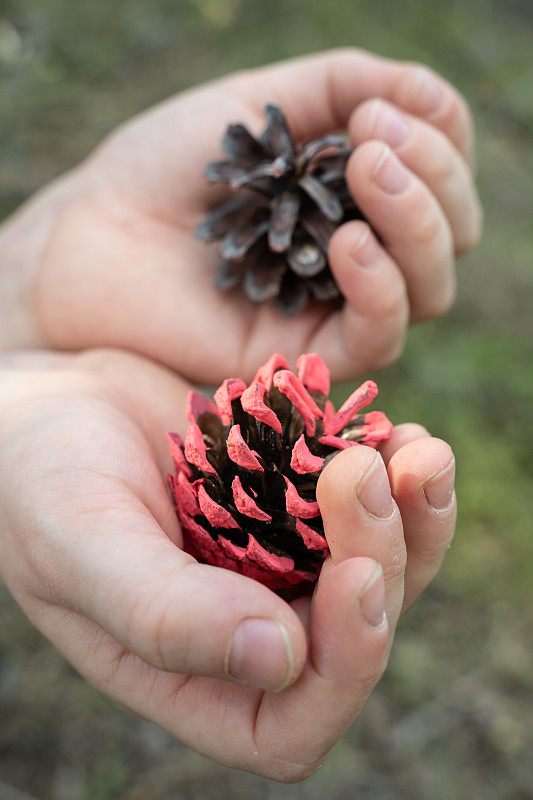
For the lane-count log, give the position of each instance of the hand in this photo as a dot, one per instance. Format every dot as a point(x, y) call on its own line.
point(106, 257)
point(91, 550)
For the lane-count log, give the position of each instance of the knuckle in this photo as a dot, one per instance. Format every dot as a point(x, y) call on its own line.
point(394, 569)
point(428, 230)
point(153, 635)
point(393, 309)
point(442, 170)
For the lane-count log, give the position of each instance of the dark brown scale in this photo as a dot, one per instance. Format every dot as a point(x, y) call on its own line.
point(288, 201)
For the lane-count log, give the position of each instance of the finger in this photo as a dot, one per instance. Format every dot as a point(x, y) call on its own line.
point(430, 155)
point(348, 648)
point(422, 479)
point(319, 92)
point(411, 224)
point(362, 519)
point(175, 614)
point(400, 436)
point(369, 330)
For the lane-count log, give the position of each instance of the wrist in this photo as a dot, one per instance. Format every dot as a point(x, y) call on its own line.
point(24, 239)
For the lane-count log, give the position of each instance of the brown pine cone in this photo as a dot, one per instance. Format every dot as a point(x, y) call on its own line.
point(288, 201)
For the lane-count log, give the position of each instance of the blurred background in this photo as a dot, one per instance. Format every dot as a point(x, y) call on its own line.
point(452, 718)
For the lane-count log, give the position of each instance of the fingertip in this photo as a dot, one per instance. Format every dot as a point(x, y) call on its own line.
point(375, 164)
point(377, 119)
point(439, 489)
point(422, 472)
point(260, 654)
point(401, 435)
point(266, 644)
point(353, 244)
point(425, 454)
point(422, 479)
point(342, 475)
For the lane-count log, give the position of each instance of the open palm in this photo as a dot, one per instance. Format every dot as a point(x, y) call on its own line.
point(91, 550)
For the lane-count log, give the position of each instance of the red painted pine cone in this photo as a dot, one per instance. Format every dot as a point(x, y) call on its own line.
point(246, 473)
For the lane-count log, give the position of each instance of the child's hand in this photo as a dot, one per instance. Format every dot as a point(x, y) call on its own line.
point(106, 257)
point(90, 549)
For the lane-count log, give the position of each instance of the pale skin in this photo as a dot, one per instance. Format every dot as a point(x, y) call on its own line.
point(105, 255)
point(91, 550)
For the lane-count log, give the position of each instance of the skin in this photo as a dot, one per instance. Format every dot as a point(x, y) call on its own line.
point(91, 549)
point(105, 255)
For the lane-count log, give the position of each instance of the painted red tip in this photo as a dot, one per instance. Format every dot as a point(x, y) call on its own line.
point(302, 459)
point(246, 504)
point(336, 441)
point(376, 428)
point(213, 512)
point(296, 505)
point(195, 449)
point(198, 404)
point(230, 390)
point(313, 373)
point(175, 443)
point(265, 373)
point(239, 452)
point(292, 387)
point(185, 496)
point(270, 561)
point(362, 397)
point(311, 539)
point(252, 403)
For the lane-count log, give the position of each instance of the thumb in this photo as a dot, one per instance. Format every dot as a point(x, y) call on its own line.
point(175, 614)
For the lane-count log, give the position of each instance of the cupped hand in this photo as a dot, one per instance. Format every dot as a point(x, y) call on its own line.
point(114, 261)
point(91, 550)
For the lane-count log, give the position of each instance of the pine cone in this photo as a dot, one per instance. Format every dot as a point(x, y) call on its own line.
point(246, 473)
point(276, 228)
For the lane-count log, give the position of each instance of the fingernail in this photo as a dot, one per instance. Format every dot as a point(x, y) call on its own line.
point(374, 490)
point(260, 654)
point(427, 92)
point(388, 124)
point(389, 172)
point(372, 599)
point(439, 489)
point(366, 250)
